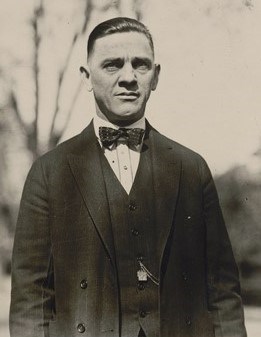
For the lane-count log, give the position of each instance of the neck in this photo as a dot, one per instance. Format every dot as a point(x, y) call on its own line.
point(120, 123)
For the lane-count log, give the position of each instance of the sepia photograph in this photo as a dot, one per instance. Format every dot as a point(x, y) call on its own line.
point(130, 168)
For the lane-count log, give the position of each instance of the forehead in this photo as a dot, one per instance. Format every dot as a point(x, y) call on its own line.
point(120, 45)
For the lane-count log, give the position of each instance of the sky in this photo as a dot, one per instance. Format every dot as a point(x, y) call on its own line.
point(208, 97)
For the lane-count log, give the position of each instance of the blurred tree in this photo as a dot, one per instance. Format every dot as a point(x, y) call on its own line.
point(46, 19)
point(240, 196)
point(39, 86)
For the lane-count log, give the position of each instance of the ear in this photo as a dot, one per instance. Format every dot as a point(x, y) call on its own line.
point(155, 77)
point(86, 77)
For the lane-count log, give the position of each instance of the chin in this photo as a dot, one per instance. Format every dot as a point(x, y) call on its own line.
point(127, 118)
point(131, 115)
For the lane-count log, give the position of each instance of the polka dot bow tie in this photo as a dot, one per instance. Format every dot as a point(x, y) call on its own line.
point(109, 136)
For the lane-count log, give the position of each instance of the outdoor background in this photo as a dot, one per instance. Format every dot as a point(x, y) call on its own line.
point(208, 99)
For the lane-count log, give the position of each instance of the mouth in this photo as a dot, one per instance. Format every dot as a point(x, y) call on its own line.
point(130, 95)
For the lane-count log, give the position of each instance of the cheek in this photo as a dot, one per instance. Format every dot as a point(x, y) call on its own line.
point(103, 87)
point(146, 84)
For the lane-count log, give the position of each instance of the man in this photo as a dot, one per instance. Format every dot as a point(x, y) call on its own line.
point(120, 232)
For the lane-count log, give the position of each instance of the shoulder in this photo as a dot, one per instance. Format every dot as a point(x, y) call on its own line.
point(193, 166)
point(56, 160)
point(185, 154)
point(62, 149)
point(74, 145)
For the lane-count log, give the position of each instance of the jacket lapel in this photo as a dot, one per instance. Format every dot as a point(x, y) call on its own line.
point(166, 172)
point(87, 171)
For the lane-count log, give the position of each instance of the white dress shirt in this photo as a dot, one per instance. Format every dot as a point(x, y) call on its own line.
point(123, 160)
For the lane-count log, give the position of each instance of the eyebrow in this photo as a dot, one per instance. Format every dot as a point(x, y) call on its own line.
point(112, 59)
point(147, 60)
point(135, 59)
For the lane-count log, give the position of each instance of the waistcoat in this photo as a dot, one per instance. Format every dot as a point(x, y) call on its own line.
point(135, 239)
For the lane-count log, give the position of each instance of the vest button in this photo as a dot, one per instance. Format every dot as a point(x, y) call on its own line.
point(135, 232)
point(185, 276)
point(132, 207)
point(188, 321)
point(81, 328)
point(83, 284)
point(143, 314)
point(141, 286)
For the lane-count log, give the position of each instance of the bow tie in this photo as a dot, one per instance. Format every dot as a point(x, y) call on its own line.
point(109, 136)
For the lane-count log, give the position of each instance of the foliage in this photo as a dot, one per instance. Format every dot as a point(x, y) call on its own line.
point(240, 196)
point(39, 87)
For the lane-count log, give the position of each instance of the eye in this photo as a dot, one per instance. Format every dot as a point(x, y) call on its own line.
point(141, 65)
point(112, 66)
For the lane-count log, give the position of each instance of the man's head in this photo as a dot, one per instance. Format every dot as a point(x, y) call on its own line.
point(121, 69)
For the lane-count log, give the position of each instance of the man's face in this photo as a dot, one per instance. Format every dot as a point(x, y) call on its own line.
point(122, 75)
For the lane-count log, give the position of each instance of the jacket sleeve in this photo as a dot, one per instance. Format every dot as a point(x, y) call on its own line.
point(223, 284)
point(32, 294)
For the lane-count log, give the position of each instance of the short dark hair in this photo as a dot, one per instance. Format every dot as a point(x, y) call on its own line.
point(117, 25)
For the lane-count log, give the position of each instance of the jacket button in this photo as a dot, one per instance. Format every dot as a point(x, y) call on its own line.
point(143, 314)
point(185, 276)
point(139, 258)
point(141, 286)
point(81, 328)
point(83, 284)
point(188, 321)
point(134, 232)
point(132, 207)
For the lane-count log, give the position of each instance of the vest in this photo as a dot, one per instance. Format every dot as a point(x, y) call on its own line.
point(133, 222)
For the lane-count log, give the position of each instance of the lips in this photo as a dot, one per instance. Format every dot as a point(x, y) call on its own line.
point(128, 95)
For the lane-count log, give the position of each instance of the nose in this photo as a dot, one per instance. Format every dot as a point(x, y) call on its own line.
point(127, 75)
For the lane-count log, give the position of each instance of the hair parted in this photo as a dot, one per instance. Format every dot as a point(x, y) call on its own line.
point(117, 25)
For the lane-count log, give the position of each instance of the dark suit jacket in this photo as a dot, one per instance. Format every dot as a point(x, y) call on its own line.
point(63, 240)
